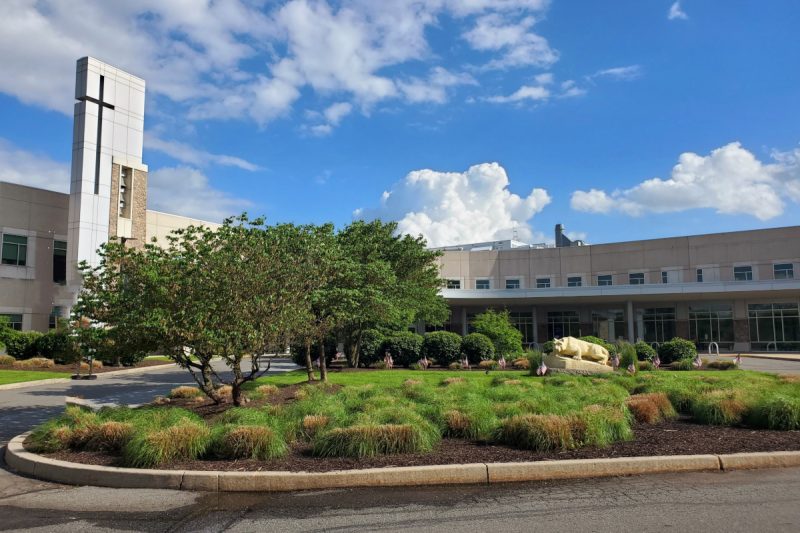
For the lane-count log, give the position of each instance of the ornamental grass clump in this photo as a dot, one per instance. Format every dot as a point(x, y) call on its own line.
point(34, 362)
point(599, 426)
point(651, 408)
point(187, 440)
point(7, 360)
point(313, 424)
point(719, 408)
point(184, 392)
point(475, 421)
point(452, 381)
point(53, 436)
point(247, 442)
point(779, 411)
point(537, 432)
point(108, 436)
point(266, 390)
point(370, 440)
point(721, 365)
point(521, 364)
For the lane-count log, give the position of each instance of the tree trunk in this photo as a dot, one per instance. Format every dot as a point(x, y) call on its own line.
point(236, 393)
point(354, 360)
point(323, 369)
point(309, 364)
point(208, 384)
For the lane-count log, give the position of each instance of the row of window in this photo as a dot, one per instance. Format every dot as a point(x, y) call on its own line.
point(740, 273)
point(15, 253)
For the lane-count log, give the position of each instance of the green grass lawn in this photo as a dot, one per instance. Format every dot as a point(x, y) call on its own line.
point(368, 413)
point(18, 376)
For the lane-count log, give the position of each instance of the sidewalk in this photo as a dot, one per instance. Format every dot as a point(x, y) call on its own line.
point(765, 355)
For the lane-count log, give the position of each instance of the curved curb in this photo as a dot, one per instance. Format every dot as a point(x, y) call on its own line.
point(477, 473)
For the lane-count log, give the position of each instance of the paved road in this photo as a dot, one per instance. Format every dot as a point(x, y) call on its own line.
point(764, 500)
point(778, 366)
point(22, 409)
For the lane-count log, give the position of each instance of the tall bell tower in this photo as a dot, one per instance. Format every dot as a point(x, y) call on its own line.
point(108, 188)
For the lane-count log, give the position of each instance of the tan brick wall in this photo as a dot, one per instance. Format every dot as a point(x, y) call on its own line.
point(139, 208)
point(113, 208)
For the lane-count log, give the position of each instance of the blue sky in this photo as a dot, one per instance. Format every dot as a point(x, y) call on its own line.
point(622, 120)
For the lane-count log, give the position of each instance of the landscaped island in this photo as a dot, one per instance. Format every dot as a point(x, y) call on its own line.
point(367, 418)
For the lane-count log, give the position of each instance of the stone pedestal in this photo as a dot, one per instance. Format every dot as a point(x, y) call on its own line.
point(577, 365)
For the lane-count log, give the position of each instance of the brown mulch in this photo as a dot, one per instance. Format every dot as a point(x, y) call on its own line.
point(106, 368)
point(667, 438)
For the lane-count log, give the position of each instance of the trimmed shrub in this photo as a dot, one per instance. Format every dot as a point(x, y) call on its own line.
point(35, 362)
point(537, 432)
point(22, 344)
point(370, 347)
point(405, 347)
point(651, 408)
point(719, 408)
point(58, 345)
point(721, 365)
point(676, 349)
point(644, 352)
point(187, 440)
point(477, 347)
point(548, 347)
point(775, 412)
point(6, 360)
point(185, 391)
point(247, 442)
point(369, 440)
point(444, 347)
point(506, 338)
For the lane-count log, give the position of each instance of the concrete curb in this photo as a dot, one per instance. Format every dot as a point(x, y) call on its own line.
point(479, 473)
point(36, 383)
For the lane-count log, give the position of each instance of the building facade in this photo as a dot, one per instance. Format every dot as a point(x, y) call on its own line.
point(44, 235)
point(736, 289)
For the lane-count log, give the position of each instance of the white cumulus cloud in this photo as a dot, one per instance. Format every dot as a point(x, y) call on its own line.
point(676, 12)
point(450, 208)
point(187, 191)
point(729, 180)
point(185, 153)
point(518, 45)
point(31, 169)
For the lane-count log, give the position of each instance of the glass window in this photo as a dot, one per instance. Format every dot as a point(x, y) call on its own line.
point(743, 273)
point(664, 277)
point(55, 314)
point(783, 271)
point(512, 284)
point(609, 324)
point(59, 262)
point(774, 326)
point(636, 279)
point(563, 324)
point(604, 280)
point(13, 321)
point(574, 281)
point(542, 283)
point(659, 324)
point(524, 323)
point(15, 250)
point(699, 275)
point(481, 283)
point(453, 284)
point(711, 323)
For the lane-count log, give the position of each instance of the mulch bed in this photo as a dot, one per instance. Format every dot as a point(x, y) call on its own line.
point(71, 368)
point(680, 437)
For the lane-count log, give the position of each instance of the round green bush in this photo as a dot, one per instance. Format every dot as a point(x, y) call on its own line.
point(644, 352)
point(548, 347)
point(676, 350)
point(370, 347)
point(444, 347)
point(22, 344)
point(405, 348)
point(477, 346)
point(57, 345)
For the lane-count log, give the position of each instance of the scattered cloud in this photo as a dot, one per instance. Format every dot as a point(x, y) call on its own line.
point(434, 88)
point(676, 12)
point(332, 116)
point(198, 198)
point(449, 208)
point(627, 73)
point(186, 153)
point(31, 169)
point(541, 91)
point(515, 41)
point(730, 180)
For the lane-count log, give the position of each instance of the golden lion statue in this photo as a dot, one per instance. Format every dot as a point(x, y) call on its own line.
point(581, 350)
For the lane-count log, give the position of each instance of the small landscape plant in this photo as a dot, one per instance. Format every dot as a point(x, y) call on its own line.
point(477, 347)
point(7, 360)
point(35, 362)
point(184, 392)
point(676, 349)
point(443, 347)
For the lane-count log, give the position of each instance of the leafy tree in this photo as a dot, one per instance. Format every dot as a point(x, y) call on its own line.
point(477, 346)
point(394, 282)
point(498, 327)
point(444, 347)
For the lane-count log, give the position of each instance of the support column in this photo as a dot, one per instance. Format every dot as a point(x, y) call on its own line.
point(464, 329)
point(629, 315)
point(535, 325)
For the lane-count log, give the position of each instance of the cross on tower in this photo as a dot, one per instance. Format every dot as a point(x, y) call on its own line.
point(100, 105)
